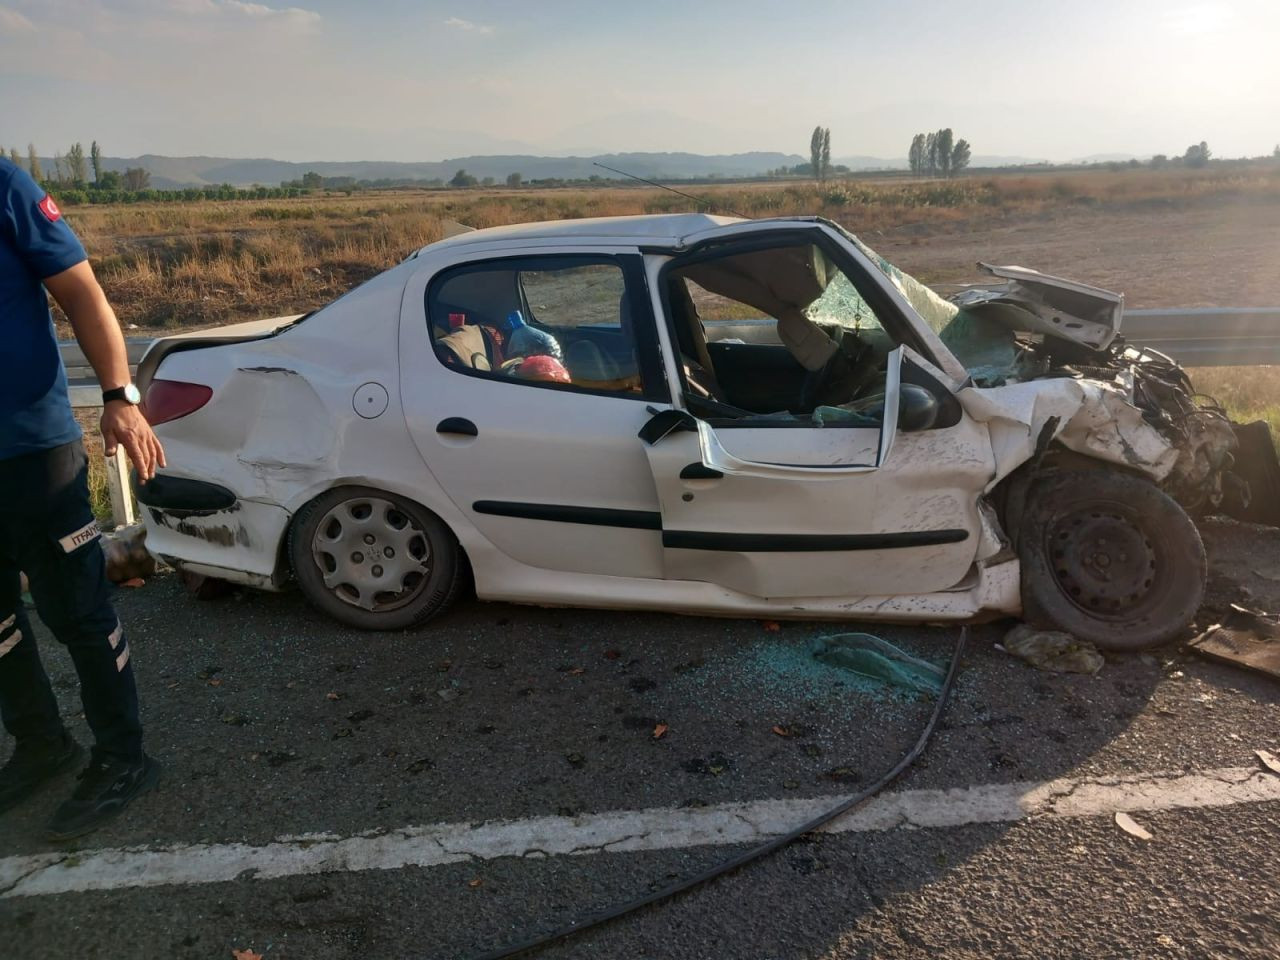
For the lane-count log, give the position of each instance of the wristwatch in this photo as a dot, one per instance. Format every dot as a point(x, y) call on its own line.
point(128, 393)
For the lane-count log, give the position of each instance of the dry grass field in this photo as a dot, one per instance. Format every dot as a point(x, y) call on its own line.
point(1165, 238)
point(1176, 236)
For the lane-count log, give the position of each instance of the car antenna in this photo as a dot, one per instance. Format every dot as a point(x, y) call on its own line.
point(653, 183)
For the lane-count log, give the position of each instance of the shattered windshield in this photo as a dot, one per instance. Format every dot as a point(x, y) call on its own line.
point(985, 348)
point(842, 305)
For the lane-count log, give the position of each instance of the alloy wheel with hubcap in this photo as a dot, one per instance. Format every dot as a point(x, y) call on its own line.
point(371, 553)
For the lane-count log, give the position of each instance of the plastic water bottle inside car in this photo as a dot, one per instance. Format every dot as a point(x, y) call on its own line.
point(526, 341)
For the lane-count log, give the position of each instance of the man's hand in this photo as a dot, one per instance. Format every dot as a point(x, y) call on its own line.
point(78, 293)
point(123, 425)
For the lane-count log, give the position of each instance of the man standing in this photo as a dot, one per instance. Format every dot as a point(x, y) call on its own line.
point(47, 529)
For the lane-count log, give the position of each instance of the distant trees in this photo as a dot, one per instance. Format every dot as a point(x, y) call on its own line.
point(945, 142)
point(1275, 154)
point(77, 169)
point(137, 178)
point(312, 180)
point(514, 179)
point(95, 158)
point(33, 163)
point(15, 156)
point(820, 153)
point(917, 156)
point(938, 154)
point(463, 179)
point(1197, 155)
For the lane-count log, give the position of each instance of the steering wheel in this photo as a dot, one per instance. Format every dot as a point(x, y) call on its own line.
point(845, 374)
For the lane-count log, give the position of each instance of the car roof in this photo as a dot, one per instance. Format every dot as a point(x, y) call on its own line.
point(656, 229)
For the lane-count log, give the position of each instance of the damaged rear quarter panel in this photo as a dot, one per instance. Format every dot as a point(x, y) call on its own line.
point(281, 428)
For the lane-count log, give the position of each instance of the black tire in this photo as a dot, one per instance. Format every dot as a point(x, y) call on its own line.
point(407, 573)
point(1109, 558)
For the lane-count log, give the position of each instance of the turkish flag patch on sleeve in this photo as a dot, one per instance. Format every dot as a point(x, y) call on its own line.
point(49, 209)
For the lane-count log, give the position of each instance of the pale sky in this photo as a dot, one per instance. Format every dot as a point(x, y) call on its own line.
point(428, 80)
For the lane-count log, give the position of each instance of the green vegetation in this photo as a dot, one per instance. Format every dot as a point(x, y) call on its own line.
point(71, 184)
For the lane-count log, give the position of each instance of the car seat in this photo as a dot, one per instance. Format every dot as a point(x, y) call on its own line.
point(692, 339)
point(593, 368)
point(469, 347)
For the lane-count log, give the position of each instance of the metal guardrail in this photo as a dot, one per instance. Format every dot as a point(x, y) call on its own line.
point(1208, 336)
point(1194, 336)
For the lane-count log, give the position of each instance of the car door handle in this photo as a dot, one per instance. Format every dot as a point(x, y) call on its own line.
point(458, 426)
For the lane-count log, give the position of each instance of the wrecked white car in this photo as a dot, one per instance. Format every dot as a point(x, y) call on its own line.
point(694, 414)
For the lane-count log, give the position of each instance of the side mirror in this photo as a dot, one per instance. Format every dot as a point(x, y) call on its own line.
point(917, 407)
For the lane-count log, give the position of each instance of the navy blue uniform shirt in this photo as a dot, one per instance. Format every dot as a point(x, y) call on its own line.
point(35, 242)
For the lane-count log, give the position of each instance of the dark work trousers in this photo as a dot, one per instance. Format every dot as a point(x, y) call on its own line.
point(47, 530)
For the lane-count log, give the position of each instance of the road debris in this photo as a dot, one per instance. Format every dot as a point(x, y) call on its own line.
point(127, 555)
point(1244, 638)
point(1268, 760)
point(869, 656)
point(245, 955)
point(1052, 650)
point(1132, 827)
point(660, 731)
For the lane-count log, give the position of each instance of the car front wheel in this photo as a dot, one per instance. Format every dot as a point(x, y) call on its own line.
point(374, 560)
point(1109, 558)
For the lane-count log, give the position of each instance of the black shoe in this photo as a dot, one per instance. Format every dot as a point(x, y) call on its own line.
point(35, 761)
point(106, 787)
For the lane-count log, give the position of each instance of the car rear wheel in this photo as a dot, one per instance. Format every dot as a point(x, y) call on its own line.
point(374, 560)
point(1110, 558)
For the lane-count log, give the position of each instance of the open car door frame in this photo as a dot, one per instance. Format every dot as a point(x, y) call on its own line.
point(804, 511)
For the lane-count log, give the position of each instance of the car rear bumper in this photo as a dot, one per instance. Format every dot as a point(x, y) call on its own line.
point(203, 527)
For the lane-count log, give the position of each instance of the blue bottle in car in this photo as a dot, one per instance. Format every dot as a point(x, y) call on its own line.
point(526, 341)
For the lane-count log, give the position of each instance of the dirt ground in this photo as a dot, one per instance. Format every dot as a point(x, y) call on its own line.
point(1205, 256)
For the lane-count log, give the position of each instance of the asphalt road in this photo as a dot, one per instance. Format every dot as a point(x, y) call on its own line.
point(275, 723)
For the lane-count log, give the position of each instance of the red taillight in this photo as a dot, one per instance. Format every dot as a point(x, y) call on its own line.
point(170, 399)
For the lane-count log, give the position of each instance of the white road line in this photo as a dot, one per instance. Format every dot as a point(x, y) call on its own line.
point(622, 831)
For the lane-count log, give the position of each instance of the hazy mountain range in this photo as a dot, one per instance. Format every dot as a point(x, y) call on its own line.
point(172, 172)
point(175, 172)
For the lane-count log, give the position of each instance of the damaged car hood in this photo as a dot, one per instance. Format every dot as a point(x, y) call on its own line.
point(1029, 301)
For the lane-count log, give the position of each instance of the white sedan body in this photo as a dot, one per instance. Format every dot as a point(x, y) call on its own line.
point(550, 489)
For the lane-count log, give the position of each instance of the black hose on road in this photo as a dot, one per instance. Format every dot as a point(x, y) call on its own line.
point(764, 849)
